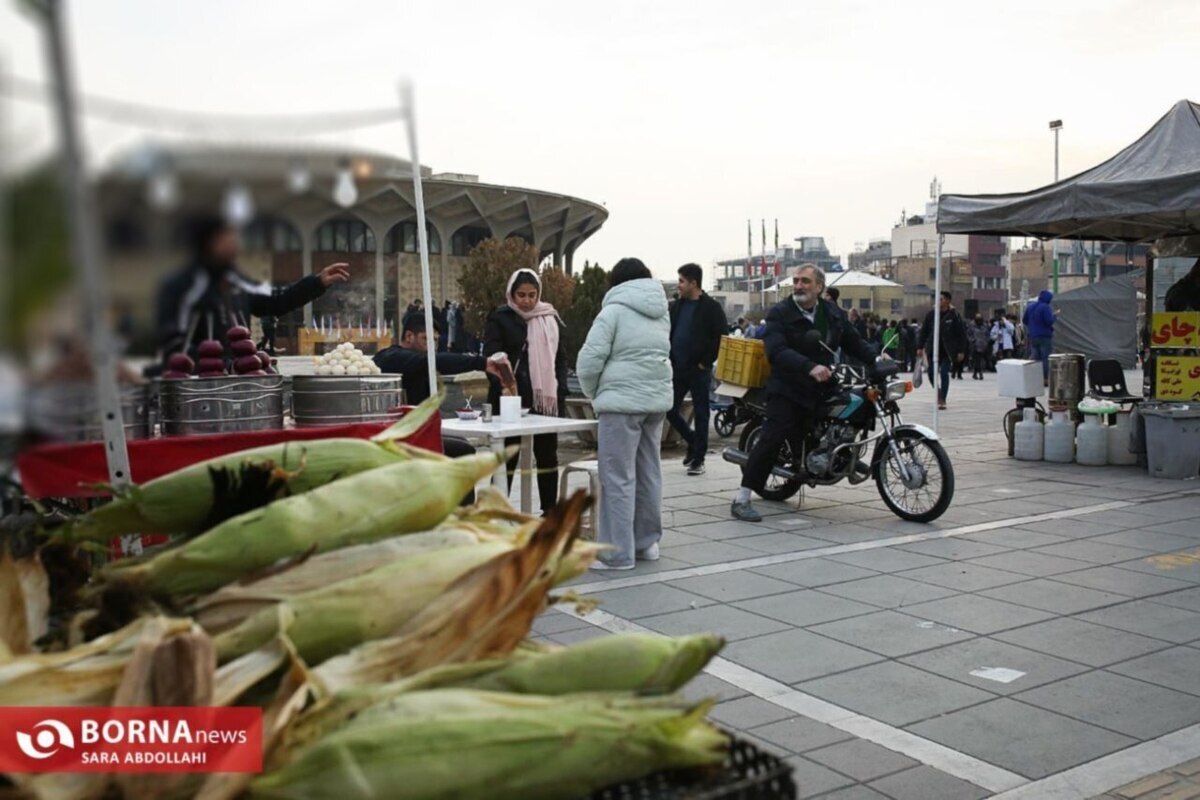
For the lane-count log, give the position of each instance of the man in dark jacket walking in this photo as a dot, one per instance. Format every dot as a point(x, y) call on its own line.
point(799, 375)
point(952, 344)
point(697, 325)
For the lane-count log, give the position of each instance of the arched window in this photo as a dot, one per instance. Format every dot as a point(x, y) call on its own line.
point(272, 235)
point(344, 235)
point(466, 238)
point(402, 238)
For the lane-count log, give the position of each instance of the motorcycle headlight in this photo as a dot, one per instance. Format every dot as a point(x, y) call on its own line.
point(896, 390)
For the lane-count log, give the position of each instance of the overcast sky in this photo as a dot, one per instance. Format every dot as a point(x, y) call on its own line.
point(684, 118)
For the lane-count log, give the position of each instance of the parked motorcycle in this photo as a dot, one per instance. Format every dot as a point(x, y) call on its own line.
point(911, 468)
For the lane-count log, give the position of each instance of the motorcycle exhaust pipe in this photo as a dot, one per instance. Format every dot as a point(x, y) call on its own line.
point(735, 456)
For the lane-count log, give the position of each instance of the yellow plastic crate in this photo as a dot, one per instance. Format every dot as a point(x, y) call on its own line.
point(743, 362)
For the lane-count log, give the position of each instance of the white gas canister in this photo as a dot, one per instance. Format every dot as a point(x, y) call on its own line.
point(1060, 438)
point(1120, 440)
point(1091, 442)
point(1029, 437)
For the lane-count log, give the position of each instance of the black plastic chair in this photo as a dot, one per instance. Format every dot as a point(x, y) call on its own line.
point(1107, 381)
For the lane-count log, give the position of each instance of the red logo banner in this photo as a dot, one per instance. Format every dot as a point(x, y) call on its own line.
point(102, 739)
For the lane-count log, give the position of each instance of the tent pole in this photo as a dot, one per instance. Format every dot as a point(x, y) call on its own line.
point(937, 327)
point(1149, 368)
point(85, 240)
point(410, 118)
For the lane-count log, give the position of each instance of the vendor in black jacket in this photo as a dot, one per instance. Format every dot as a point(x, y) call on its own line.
point(697, 325)
point(211, 291)
point(410, 360)
point(799, 375)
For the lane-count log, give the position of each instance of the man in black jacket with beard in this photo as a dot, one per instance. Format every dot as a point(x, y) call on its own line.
point(799, 375)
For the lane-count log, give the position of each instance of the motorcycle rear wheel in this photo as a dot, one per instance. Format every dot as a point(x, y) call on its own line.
point(775, 488)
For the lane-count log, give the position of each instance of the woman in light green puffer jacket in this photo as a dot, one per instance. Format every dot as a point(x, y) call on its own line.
point(624, 366)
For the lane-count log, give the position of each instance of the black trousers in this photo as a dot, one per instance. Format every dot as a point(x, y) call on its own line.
point(545, 460)
point(785, 421)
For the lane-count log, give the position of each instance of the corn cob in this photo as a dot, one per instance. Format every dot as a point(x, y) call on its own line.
point(400, 498)
point(336, 618)
point(474, 744)
point(183, 501)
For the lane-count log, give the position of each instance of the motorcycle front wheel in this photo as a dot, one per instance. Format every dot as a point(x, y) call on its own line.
point(923, 489)
point(775, 488)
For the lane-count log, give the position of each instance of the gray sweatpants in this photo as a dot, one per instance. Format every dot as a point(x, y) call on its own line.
point(630, 484)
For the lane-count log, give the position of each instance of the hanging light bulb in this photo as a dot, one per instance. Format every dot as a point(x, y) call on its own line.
point(238, 205)
point(299, 179)
point(162, 191)
point(345, 193)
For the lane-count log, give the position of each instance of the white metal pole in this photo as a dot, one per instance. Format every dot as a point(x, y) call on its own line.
point(85, 240)
point(937, 326)
point(410, 116)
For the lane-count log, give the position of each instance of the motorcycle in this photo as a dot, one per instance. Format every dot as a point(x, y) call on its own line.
point(912, 470)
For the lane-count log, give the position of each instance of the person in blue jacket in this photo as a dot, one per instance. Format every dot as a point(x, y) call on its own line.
point(1039, 322)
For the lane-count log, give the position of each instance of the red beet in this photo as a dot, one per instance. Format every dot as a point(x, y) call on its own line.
point(264, 358)
point(247, 364)
point(180, 363)
point(210, 348)
point(175, 375)
point(211, 365)
point(243, 347)
point(237, 333)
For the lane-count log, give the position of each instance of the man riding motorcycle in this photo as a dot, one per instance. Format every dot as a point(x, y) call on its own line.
point(799, 376)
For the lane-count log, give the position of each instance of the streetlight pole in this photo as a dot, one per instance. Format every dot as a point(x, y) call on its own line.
point(1056, 126)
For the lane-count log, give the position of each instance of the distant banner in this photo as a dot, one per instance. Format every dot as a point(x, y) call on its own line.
point(1175, 329)
point(1178, 377)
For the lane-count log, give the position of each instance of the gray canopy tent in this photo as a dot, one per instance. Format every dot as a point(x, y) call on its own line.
point(1100, 320)
point(1148, 192)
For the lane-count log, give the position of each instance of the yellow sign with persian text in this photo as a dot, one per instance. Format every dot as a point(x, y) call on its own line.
point(1175, 329)
point(1178, 378)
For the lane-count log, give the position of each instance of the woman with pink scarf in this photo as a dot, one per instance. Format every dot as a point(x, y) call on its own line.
point(529, 331)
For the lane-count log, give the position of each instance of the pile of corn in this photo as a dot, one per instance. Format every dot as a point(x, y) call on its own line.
point(383, 628)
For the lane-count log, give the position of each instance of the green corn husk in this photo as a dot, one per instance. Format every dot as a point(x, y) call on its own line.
point(401, 498)
point(370, 606)
point(183, 501)
point(459, 743)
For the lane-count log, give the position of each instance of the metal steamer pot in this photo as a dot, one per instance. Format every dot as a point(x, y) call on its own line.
point(231, 404)
point(343, 400)
point(69, 412)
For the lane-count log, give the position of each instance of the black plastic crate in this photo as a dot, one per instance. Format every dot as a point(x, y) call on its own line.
point(747, 774)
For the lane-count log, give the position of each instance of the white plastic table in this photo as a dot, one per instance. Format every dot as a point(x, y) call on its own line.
point(495, 432)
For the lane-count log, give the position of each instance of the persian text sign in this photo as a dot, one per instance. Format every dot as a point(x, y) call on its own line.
point(1175, 329)
point(1178, 378)
point(158, 739)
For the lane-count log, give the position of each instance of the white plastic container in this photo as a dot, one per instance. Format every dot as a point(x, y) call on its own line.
point(510, 409)
point(1120, 440)
point(1091, 446)
point(1060, 438)
point(1029, 438)
point(1019, 378)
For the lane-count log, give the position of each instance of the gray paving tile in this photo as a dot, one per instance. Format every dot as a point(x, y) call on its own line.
point(1091, 550)
point(725, 529)
point(1149, 619)
point(780, 542)
point(678, 518)
point(1018, 737)
point(1181, 508)
point(888, 591)
point(800, 734)
point(664, 564)
point(704, 686)
point(1147, 540)
point(748, 712)
point(788, 523)
point(959, 661)
point(1128, 582)
point(634, 602)
point(712, 553)
point(1188, 598)
point(552, 622)
point(577, 635)
point(812, 779)
point(963, 576)
point(894, 693)
point(804, 607)
point(730, 586)
point(887, 559)
point(1183, 527)
point(1015, 537)
point(926, 783)
point(861, 760)
point(1085, 642)
point(1076, 527)
point(859, 792)
point(1032, 563)
point(977, 614)
point(732, 623)
point(1050, 595)
point(814, 572)
point(846, 534)
point(793, 656)
point(1119, 703)
point(674, 537)
point(1181, 566)
point(889, 633)
point(956, 548)
point(1177, 668)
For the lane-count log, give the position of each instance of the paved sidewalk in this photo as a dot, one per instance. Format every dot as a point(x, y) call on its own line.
point(1050, 619)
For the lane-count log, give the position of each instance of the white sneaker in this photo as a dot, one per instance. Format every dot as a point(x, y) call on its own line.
point(601, 565)
point(649, 554)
